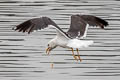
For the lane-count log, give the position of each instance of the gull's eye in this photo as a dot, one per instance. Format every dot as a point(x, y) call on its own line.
point(48, 44)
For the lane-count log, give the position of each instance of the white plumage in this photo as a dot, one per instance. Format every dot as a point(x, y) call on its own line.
point(75, 43)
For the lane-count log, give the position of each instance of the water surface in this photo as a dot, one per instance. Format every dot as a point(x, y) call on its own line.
point(23, 57)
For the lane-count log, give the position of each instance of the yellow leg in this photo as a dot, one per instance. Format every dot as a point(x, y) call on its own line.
point(74, 55)
point(78, 54)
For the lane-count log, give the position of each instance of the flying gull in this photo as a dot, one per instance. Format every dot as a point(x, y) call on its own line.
point(72, 39)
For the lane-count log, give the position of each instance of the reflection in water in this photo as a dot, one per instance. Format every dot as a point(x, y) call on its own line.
point(21, 59)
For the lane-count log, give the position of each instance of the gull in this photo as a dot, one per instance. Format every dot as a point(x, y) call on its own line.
point(72, 39)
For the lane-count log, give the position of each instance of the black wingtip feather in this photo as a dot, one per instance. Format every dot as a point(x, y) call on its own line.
point(105, 23)
point(23, 26)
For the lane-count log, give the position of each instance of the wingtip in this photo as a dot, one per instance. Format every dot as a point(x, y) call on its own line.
point(14, 28)
point(106, 24)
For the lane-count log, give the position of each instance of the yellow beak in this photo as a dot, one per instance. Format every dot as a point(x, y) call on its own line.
point(48, 50)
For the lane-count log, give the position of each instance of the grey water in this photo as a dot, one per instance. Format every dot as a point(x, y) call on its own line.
point(23, 57)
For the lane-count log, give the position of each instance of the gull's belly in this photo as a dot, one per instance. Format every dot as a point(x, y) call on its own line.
point(62, 43)
point(75, 43)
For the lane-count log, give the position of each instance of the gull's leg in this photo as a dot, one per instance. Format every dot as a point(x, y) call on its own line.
point(78, 54)
point(74, 55)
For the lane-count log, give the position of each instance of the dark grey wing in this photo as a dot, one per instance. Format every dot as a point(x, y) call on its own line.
point(77, 27)
point(94, 21)
point(79, 24)
point(36, 24)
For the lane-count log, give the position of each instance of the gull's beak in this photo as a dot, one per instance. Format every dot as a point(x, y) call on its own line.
point(48, 50)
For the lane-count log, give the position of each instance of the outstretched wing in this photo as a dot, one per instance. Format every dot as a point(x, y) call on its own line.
point(80, 23)
point(94, 21)
point(38, 24)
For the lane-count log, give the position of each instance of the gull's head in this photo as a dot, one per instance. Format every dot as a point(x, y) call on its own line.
point(51, 45)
